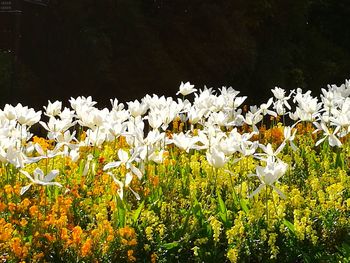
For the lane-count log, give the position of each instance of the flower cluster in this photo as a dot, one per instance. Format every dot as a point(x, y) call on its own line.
point(201, 178)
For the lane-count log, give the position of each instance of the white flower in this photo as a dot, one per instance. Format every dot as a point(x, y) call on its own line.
point(282, 100)
point(269, 175)
point(40, 178)
point(289, 137)
point(53, 109)
point(55, 127)
point(10, 112)
point(136, 108)
point(264, 108)
point(332, 138)
point(184, 141)
point(116, 106)
point(253, 119)
point(186, 88)
point(125, 160)
point(279, 93)
point(216, 158)
point(16, 157)
point(27, 116)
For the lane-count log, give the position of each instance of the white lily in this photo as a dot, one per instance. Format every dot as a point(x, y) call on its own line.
point(186, 88)
point(40, 178)
point(269, 175)
point(216, 158)
point(332, 138)
point(184, 141)
point(125, 160)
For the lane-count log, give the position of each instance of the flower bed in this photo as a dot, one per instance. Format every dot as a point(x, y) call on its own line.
point(164, 180)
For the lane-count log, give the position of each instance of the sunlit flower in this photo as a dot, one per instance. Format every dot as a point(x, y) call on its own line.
point(40, 178)
point(53, 109)
point(269, 175)
point(332, 138)
point(216, 158)
point(186, 88)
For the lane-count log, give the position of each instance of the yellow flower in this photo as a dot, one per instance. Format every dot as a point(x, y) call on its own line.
point(232, 255)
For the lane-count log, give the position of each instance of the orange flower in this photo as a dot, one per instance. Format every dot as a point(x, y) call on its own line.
point(16, 246)
point(49, 237)
point(76, 234)
point(45, 144)
point(25, 203)
point(86, 248)
point(23, 222)
point(33, 211)
point(153, 258)
point(2, 207)
point(8, 189)
point(11, 207)
point(131, 257)
point(64, 234)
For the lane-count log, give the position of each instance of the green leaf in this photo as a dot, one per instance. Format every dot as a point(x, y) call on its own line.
point(339, 161)
point(223, 210)
point(244, 205)
point(121, 213)
point(138, 212)
point(289, 225)
point(171, 245)
point(197, 210)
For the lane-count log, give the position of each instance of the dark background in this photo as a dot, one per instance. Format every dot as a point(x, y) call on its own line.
point(125, 49)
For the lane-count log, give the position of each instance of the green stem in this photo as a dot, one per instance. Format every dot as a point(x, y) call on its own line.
point(267, 205)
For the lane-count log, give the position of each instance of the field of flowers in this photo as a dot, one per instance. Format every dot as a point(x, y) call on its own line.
point(201, 178)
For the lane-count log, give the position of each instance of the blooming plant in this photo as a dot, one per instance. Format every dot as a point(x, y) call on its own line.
point(165, 180)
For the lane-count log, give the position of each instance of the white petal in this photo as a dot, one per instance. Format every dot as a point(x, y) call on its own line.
point(279, 192)
point(136, 171)
point(319, 141)
point(25, 188)
point(50, 176)
point(135, 194)
point(256, 191)
point(334, 141)
point(128, 178)
point(123, 155)
point(111, 165)
point(27, 175)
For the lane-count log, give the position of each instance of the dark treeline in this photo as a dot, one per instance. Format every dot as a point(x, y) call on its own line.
point(126, 49)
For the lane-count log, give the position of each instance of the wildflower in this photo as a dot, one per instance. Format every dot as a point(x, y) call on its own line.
point(184, 141)
point(186, 89)
point(289, 137)
point(27, 116)
point(282, 100)
point(124, 160)
point(332, 138)
point(264, 108)
point(53, 109)
point(216, 158)
point(40, 178)
point(253, 119)
point(86, 247)
point(76, 234)
point(136, 108)
point(269, 175)
point(131, 257)
point(268, 151)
